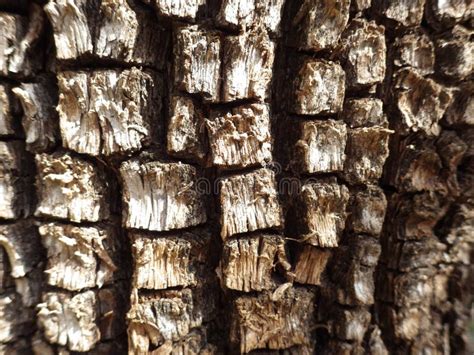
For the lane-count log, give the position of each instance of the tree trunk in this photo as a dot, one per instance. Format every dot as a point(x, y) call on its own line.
point(235, 176)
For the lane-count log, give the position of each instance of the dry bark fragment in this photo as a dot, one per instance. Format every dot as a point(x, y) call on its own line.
point(19, 40)
point(361, 5)
point(365, 112)
point(320, 23)
point(356, 285)
point(91, 27)
point(276, 321)
point(248, 263)
point(351, 324)
point(108, 112)
point(447, 13)
point(363, 53)
point(16, 321)
point(197, 61)
point(415, 50)
point(321, 214)
point(240, 138)
point(160, 196)
point(455, 53)
point(407, 13)
point(15, 183)
point(8, 110)
point(78, 257)
point(461, 110)
point(320, 147)
point(170, 261)
point(185, 129)
point(70, 188)
point(143, 41)
point(310, 265)
point(366, 151)
point(247, 66)
point(185, 9)
point(249, 202)
point(39, 115)
point(69, 320)
point(367, 211)
point(162, 318)
point(244, 14)
point(318, 88)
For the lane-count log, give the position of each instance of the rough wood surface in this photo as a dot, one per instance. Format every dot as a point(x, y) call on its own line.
point(407, 13)
point(186, 9)
point(363, 53)
point(241, 137)
point(415, 50)
point(319, 24)
point(242, 15)
point(160, 196)
point(247, 66)
point(79, 257)
point(9, 108)
point(15, 180)
point(197, 61)
point(185, 134)
point(39, 120)
point(117, 112)
point(310, 264)
point(19, 40)
point(365, 112)
point(321, 213)
point(256, 319)
point(320, 147)
point(170, 261)
point(70, 188)
point(95, 28)
point(249, 263)
point(318, 88)
point(249, 202)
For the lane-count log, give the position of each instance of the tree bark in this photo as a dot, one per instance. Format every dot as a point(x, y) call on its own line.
point(236, 176)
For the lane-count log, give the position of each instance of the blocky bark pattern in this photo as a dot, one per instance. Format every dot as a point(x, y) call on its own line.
point(211, 176)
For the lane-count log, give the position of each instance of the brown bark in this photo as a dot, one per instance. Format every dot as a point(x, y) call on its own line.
point(236, 176)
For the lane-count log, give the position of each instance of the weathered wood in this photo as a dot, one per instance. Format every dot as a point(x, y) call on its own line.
point(455, 53)
point(407, 13)
point(40, 119)
point(362, 49)
point(180, 9)
point(79, 257)
point(321, 213)
point(162, 319)
point(320, 147)
point(366, 151)
point(70, 188)
point(421, 102)
point(247, 66)
point(272, 321)
point(461, 110)
point(185, 134)
point(160, 196)
point(19, 42)
point(241, 137)
point(69, 320)
point(318, 88)
point(242, 15)
point(197, 61)
point(365, 112)
point(15, 181)
point(119, 111)
point(249, 202)
point(170, 261)
point(95, 28)
point(15, 320)
point(9, 108)
point(319, 24)
point(310, 264)
point(447, 13)
point(367, 211)
point(351, 324)
point(415, 50)
point(249, 263)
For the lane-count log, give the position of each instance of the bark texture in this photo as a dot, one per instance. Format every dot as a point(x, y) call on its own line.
point(236, 176)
